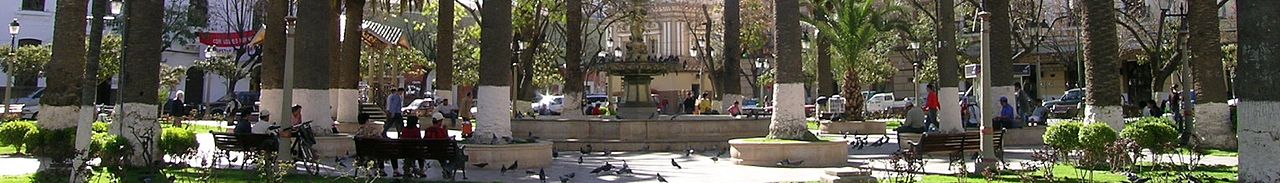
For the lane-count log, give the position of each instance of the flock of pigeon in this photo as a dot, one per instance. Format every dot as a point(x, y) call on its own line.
point(859, 142)
point(605, 169)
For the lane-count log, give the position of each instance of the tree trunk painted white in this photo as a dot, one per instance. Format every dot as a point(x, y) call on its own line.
point(57, 117)
point(572, 106)
point(315, 108)
point(494, 118)
point(1259, 141)
point(348, 104)
point(788, 121)
point(270, 99)
point(1112, 115)
point(1213, 125)
point(949, 118)
point(137, 121)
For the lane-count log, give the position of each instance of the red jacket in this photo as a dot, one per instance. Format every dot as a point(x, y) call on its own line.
point(933, 102)
point(437, 132)
point(411, 133)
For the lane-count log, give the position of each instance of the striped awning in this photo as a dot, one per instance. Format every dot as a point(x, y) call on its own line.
point(385, 33)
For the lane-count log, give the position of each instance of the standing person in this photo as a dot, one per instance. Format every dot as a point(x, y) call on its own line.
point(688, 103)
point(177, 111)
point(1023, 100)
point(932, 106)
point(233, 105)
point(395, 117)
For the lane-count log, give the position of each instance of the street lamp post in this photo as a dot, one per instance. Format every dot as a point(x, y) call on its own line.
point(14, 27)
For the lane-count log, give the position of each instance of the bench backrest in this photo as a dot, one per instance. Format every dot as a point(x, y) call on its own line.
point(949, 142)
point(242, 142)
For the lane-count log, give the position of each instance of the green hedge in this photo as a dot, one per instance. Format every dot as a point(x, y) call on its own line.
point(55, 144)
point(110, 148)
point(15, 133)
point(1063, 136)
point(101, 127)
point(1151, 133)
point(1096, 136)
point(177, 142)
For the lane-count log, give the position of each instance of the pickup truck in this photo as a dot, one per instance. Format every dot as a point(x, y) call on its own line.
point(884, 101)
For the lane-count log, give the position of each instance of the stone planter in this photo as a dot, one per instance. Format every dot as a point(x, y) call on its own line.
point(814, 154)
point(531, 155)
point(860, 127)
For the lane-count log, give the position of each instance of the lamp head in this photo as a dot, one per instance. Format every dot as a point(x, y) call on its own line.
point(14, 27)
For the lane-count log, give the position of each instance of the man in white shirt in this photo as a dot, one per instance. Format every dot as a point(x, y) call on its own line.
point(262, 126)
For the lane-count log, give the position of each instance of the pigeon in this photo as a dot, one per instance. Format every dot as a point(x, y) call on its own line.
point(564, 179)
point(507, 140)
point(846, 135)
point(583, 150)
point(661, 179)
point(608, 152)
point(789, 163)
point(480, 165)
point(603, 168)
point(514, 165)
point(688, 153)
point(715, 159)
point(579, 160)
point(555, 154)
point(542, 175)
point(626, 169)
point(1134, 178)
point(677, 165)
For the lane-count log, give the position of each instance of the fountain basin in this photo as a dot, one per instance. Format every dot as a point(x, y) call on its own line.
point(660, 134)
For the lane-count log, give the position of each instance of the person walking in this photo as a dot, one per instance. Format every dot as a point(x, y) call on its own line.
point(395, 117)
point(177, 111)
point(932, 106)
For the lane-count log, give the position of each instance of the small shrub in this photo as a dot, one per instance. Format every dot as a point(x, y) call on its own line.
point(15, 133)
point(1096, 136)
point(55, 144)
point(1151, 134)
point(177, 142)
point(101, 127)
point(111, 148)
point(1063, 136)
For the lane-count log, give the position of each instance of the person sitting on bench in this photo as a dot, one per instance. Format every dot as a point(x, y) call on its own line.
point(914, 122)
point(1006, 119)
point(437, 129)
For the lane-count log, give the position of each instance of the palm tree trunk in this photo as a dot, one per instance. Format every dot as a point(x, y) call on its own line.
point(573, 80)
point(142, 76)
point(444, 52)
point(788, 120)
point(854, 103)
point(62, 98)
point(1102, 65)
point(948, 70)
point(348, 95)
point(494, 118)
point(318, 32)
point(1212, 117)
point(826, 84)
point(730, 84)
point(1258, 101)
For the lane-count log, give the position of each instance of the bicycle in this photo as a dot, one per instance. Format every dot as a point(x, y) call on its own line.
point(301, 146)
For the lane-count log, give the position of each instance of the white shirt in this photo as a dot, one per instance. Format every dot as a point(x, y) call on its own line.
point(261, 127)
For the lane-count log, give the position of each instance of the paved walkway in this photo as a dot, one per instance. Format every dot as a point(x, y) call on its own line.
point(647, 165)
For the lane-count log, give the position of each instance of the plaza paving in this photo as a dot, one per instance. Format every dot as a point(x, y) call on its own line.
point(698, 167)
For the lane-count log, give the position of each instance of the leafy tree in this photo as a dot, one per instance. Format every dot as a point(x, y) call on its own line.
point(30, 62)
point(855, 26)
point(226, 67)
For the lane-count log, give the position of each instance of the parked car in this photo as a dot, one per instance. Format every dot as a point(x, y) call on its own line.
point(220, 106)
point(1067, 105)
point(30, 104)
point(549, 105)
point(413, 106)
point(882, 102)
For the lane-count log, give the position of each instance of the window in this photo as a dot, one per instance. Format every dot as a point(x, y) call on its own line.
point(33, 5)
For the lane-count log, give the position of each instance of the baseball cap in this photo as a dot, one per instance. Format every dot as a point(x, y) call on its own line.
point(437, 116)
point(264, 113)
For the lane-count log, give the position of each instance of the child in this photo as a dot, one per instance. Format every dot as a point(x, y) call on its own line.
point(735, 109)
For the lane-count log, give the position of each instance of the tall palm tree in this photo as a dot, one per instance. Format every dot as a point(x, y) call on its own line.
point(348, 76)
point(825, 84)
point(1258, 59)
point(494, 119)
point(1212, 117)
point(948, 82)
point(444, 50)
point(730, 84)
point(854, 26)
point(273, 58)
point(317, 31)
point(788, 115)
point(573, 87)
point(142, 73)
point(1101, 64)
point(62, 98)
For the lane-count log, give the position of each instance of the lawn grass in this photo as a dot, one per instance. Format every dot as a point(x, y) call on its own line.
point(217, 175)
point(893, 124)
point(7, 150)
point(1068, 173)
point(812, 125)
point(196, 128)
point(1212, 152)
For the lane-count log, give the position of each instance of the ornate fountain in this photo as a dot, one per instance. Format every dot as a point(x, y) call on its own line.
point(637, 68)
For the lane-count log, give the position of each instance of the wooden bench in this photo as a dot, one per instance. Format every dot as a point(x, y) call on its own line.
point(249, 144)
point(954, 145)
point(445, 151)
